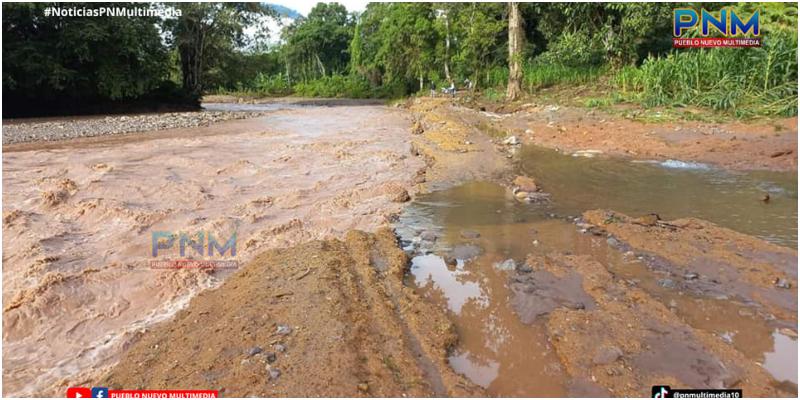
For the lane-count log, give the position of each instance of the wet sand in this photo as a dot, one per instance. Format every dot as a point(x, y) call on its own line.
point(78, 218)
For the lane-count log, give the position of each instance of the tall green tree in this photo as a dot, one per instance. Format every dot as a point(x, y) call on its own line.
point(83, 59)
point(318, 45)
point(206, 30)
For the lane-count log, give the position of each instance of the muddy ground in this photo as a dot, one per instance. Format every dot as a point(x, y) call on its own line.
point(326, 318)
point(320, 309)
point(769, 145)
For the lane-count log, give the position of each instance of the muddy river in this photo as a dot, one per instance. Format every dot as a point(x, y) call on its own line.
point(466, 240)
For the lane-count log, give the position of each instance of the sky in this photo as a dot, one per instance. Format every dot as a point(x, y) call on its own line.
point(304, 6)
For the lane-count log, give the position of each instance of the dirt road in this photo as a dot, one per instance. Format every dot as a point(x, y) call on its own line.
point(78, 219)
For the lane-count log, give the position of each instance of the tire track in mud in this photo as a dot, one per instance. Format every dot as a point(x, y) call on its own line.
point(354, 330)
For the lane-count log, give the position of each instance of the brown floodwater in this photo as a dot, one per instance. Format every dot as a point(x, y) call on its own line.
point(469, 277)
point(672, 189)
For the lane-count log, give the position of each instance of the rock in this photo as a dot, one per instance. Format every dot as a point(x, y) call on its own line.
point(524, 269)
point(613, 242)
point(578, 306)
point(254, 350)
point(522, 195)
point(529, 131)
point(511, 141)
point(465, 251)
point(666, 283)
point(363, 387)
point(781, 283)
point(279, 347)
point(273, 372)
point(607, 355)
point(469, 234)
point(271, 357)
point(450, 260)
point(400, 195)
point(507, 265)
point(428, 235)
point(647, 220)
point(417, 128)
point(788, 332)
point(690, 276)
point(765, 197)
point(525, 184)
point(283, 330)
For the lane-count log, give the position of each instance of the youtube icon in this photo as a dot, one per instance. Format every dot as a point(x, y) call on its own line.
point(79, 392)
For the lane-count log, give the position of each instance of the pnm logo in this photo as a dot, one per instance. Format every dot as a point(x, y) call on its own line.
point(162, 240)
point(727, 24)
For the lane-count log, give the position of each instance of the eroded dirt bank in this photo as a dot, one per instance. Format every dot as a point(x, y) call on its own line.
point(744, 146)
point(326, 318)
point(78, 217)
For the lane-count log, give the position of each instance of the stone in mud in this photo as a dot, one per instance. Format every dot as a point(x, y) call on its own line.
point(450, 261)
point(781, 283)
point(666, 283)
point(428, 235)
point(525, 184)
point(254, 350)
point(271, 357)
point(469, 234)
point(690, 276)
point(511, 141)
point(607, 355)
point(465, 251)
point(279, 347)
point(540, 292)
point(399, 195)
point(507, 265)
point(274, 373)
point(283, 330)
point(647, 220)
point(417, 128)
point(524, 269)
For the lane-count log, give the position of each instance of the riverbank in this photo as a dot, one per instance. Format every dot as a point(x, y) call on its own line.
point(34, 130)
point(765, 144)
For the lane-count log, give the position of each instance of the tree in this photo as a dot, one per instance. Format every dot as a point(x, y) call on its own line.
point(317, 46)
point(53, 62)
point(204, 30)
point(515, 41)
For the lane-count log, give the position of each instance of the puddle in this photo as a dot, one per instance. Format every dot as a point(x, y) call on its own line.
point(781, 362)
point(672, 189)
point(462, 239)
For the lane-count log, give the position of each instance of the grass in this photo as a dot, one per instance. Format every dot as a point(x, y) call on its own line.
point(745, 82)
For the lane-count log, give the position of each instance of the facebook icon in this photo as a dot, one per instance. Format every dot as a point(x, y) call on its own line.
point(99, 393)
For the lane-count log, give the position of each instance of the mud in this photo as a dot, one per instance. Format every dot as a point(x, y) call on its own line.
point(455, 150)
point(356, 330)
point(78, 217)
point(769, 145)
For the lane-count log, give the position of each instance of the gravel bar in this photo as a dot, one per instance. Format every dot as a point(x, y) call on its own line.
point(113, 125)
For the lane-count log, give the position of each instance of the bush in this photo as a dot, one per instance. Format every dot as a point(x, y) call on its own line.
point(335, 86)
point(753, 81)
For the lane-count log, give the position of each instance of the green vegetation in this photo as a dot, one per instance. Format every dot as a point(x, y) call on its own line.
point(615, 52)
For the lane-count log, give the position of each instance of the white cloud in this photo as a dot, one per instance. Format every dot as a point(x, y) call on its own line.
point(305, 6)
